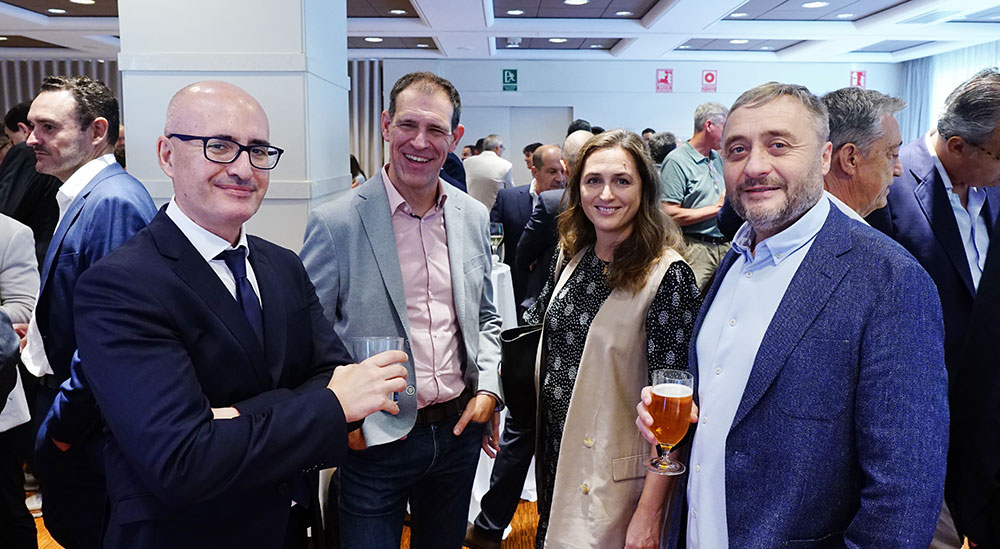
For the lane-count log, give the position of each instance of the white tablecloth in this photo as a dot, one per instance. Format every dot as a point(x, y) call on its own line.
point(503, 298)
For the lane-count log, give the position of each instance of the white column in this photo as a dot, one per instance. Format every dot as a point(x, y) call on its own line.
point(291, 55)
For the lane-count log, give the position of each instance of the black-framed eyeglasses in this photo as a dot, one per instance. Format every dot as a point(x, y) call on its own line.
point(225, 151)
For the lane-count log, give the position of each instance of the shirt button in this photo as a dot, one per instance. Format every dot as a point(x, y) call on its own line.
point(718, 371)
point(749, 274)
point(778, 255)
point(697, 468)
point(732, 322)
point(585, 489)
point(704, 420)
point(588, 442)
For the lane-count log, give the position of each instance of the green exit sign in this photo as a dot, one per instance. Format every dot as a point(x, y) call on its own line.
point(510, 80)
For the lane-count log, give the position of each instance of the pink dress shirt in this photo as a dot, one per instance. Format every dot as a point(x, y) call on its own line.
point(422, 245)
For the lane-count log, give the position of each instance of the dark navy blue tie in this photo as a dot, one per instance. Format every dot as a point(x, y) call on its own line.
point(245, 296)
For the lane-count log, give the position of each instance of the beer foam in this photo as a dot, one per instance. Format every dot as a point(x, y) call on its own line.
point(672, 390)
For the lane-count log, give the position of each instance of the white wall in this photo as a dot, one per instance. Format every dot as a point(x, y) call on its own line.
point(622, 93)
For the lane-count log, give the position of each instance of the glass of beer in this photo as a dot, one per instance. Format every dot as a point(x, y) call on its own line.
point(671, 411)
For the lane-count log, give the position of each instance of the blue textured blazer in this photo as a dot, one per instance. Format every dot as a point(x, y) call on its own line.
point(840, 436)
point(106, 213)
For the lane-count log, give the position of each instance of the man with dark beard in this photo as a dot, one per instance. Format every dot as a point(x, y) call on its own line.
point(820, 375)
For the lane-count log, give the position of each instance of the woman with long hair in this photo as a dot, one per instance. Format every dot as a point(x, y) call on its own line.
point(619, 304)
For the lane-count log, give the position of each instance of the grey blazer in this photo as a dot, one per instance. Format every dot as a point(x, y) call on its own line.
point(19, 279)
point(350, 254)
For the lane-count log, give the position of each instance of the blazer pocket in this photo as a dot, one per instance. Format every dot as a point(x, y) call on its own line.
point(816, 380)
point(477, 263)
point(628, 468)
point(836, 539)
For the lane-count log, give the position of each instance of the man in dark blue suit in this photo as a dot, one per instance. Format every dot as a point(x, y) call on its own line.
point(74, 129)
point(942, 210)
point(208, 353)
point(817, 358)
point(513, 208)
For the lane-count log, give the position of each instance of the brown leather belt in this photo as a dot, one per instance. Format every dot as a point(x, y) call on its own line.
point(436, 413)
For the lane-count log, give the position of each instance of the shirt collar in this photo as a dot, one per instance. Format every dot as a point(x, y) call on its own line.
point(69, 190)
point(208, 244)
point(696, 156)
point(396, 200)
point(779, 247)
point(531, 189)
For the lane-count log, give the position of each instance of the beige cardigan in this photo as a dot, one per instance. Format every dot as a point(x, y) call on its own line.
point(601, 457)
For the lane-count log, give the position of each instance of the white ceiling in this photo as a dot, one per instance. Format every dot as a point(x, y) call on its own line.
point(469, 29)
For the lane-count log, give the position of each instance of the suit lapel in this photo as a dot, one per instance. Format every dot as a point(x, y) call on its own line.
point(811, 287)
point(373, 209)
point(991, 208)
point(933, 199)
point(524, 206)
point(198, 275)
point(454, 227)
point(273, 306)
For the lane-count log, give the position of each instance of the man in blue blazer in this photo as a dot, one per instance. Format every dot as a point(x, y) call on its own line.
point(74, 129)
point(942, 209)
point(406, 255)
point(207, 351)
point(817, 355)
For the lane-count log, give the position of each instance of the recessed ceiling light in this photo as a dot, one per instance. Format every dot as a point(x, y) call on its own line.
point(815, 5)
point(557, 40)
point(595, 46)
point(397, 12)
point(738, 14)
point(575, 2)
point(624, 13)
point(844, 15)
point(100, 61)
point(684, 47)
point(373, 39)
point(2, 38)
point(84, 2)
point(738, 41)
point(56, 11)
point(765, 47)
point(513, 45)
point(995, 17)
point(515, 12)
point(423, 45)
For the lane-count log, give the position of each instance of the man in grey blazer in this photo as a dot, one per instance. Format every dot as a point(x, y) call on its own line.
point(405, 255)
point(817, 356)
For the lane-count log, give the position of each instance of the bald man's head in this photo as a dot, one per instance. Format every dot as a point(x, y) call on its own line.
point(572, 146)
point(209, 127)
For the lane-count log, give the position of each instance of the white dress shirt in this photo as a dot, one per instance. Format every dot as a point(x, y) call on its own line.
point(33, 356)
point(726, 348)
point(209, 245)
point(971, 224)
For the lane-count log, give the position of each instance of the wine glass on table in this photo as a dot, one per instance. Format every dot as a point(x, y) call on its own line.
point(673, 391)
point(496, 239)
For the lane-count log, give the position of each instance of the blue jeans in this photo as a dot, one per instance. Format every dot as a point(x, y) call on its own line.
point(431, 468)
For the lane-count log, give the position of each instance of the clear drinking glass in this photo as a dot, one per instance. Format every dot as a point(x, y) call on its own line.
point(673, 391)
point(365, 347)
point(496, 239)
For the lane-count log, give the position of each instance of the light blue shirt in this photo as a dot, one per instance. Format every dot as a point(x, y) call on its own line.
point(726, 348)
point(971, 224)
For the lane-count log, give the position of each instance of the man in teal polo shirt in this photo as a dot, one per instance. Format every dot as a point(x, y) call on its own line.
point(692, 190)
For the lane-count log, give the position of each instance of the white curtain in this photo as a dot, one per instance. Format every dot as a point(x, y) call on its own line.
point(20, 79)
point(365, 100)
point(927, 83)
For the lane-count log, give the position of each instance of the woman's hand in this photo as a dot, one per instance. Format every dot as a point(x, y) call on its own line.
point(644, 421)
point(643, 530)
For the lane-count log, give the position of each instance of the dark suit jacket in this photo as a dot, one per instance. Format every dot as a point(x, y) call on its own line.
point(537, 244)
point(453, 172)
point(919, 216)
point(512, 208)
point(840, 435)
point(976, 412)
point(106, 213)
point(29, 196)
point(162, 342)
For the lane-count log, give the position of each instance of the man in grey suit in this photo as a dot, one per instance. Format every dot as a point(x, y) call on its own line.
point(405, 224)
point(817, 356)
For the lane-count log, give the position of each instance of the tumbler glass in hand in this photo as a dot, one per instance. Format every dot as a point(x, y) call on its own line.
point(367, 347)
point(671, 410)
